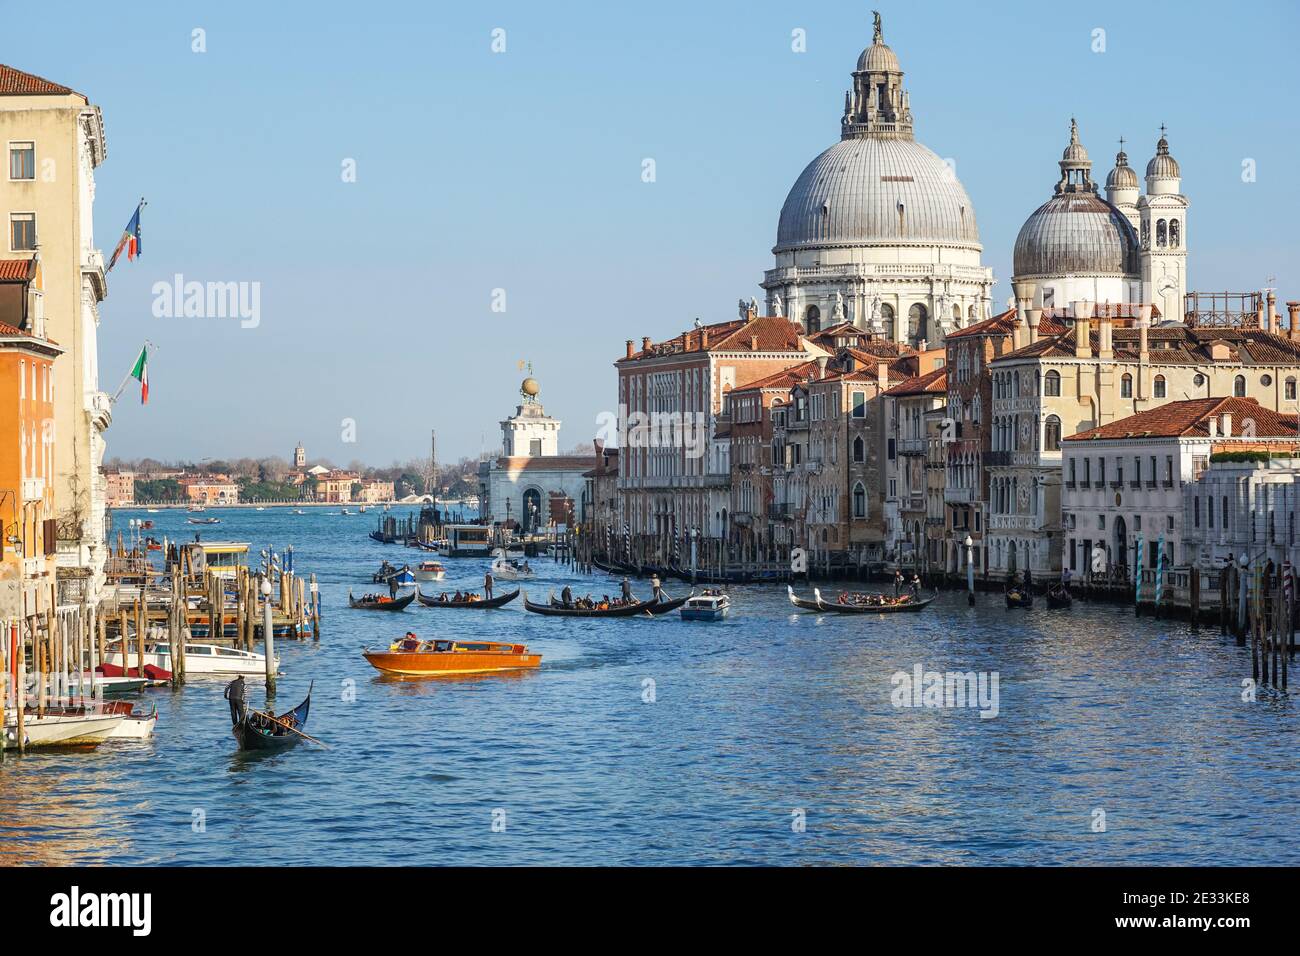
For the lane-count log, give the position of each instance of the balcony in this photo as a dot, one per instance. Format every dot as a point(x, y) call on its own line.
point(1135, 484)
point(1013, 523)
point(961, 496)
point(997, 459)
point(911, 446)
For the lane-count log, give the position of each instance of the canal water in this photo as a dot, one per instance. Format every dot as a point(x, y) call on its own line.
point(770, 738)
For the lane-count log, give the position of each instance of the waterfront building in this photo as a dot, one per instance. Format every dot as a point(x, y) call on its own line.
point(1126, 482)
point(674, 463)
point(914, 431)
point(27, 454)
point(878, 230)
point(119, 488)
point(1244, 502)
point(54, 140)
point(530, 484)
point(210, 490)
point(600, 515)
point(1111, 363)
point(374, 491)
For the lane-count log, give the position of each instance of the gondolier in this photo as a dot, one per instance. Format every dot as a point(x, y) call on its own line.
point(235, 694)
point(626, 589)
point(487, 585)
point(566, 596)
point(657, 588)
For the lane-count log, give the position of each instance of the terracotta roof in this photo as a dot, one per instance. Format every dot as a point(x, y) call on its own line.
point(17, 83)
point(1188, 419)
point(782, 380)
point(1173, 345)
point(1004, 323)
point(17, 270)
point(933, 383)
point(10, 330)
point(774, 333)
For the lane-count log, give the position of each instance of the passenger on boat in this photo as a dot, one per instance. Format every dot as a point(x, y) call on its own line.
point(916, 584)
point(566, 596)
point(457, 597)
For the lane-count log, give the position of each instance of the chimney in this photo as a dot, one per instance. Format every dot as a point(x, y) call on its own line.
point(1293, 314)
point(1227, 424)
point(704, 338)
point(753, 343)
point(821, 365)
point(1211, 425)
point(1082, 329)
point(1261, 314)
point(1272, 311)
point(882, 373)
point(629, 348)
point(1026, 315)
point(645, 343)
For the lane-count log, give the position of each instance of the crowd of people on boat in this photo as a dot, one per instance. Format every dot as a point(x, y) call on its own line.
point(374, 598)
point(460, 597)
point(860, 599)
point(602, 603)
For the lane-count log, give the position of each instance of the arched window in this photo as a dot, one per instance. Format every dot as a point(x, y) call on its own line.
point(887, 320)
point(1052, 382)
point(1239, 386)
point(812, 319)
point(1158, 387)
point(1126, 386)
point(916, 317)
point(1174, 233)
point(859, 501)
point(1146, 233)
point(1289, 390)
point(859, 449)
point(956, 312)
point(1052, 434)
point(1160, 233)
point(970, 314)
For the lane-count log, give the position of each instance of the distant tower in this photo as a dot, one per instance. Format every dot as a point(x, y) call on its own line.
point(531, 433)
point(1122, 187)
point(299, 456)
point(1163, 230)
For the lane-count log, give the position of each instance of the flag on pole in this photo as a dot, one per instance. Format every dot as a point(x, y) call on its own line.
point(130, 240)
point(141, 374)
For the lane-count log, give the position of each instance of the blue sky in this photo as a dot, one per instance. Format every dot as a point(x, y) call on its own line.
point(521, 171)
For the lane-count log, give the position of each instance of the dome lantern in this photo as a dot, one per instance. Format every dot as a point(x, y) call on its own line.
point(877, 105)
point(1163, 173)
point(1076, 167)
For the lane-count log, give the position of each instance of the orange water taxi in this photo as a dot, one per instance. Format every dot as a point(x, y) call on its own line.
point(412, 657)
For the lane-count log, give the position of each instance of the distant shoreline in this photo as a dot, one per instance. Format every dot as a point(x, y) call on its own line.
point(369, 506)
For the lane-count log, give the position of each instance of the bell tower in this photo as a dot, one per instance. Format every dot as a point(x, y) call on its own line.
point(1162, 214)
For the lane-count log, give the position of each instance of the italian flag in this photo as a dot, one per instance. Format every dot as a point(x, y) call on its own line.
point(141, 374)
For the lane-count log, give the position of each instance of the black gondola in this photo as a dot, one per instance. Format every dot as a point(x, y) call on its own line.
point(552, 609)
point(1019, 597)
point(380, 604)
point(664, 607)
point(1059, 598)
point(802, 604)
point(902, 607)
point(257, 732)
point(482, 605)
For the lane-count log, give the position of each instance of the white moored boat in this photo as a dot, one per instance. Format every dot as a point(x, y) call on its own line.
point(430, 571)
point(199, 658)
point(62, 730)
point(709, 606)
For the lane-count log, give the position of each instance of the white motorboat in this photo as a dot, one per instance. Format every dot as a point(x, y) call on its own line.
point(134, 726)
point(259, 508)
point(199, 658)
point(430, 571)
point(196, 508)
point(62, 730)
point(508, 569)
point(709, 606)
point(345, 512)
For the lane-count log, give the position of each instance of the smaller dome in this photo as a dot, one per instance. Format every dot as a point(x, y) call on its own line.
point(1162, 165)
point(878, 58)
point(1074, 153)
point(1122, 176)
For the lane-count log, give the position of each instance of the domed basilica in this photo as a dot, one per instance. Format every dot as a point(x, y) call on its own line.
point(878, 231)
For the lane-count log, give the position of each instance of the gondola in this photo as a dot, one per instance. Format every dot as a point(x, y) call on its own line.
point(913, 604)
point(1059, 598)
point(1018, 597)
point(802, 604)
point(664, 607)
point(553, 609)
point(616, 568)
point(483, 605)
point(256, 732)
point(390, 604)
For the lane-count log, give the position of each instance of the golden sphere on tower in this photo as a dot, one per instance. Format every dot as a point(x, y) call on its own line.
point(530, 387)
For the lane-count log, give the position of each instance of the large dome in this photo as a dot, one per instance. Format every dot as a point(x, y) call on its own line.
point(873, 191)
point(1076, 233)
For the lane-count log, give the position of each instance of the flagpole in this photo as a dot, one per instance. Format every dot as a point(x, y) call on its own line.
point(127, 378)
